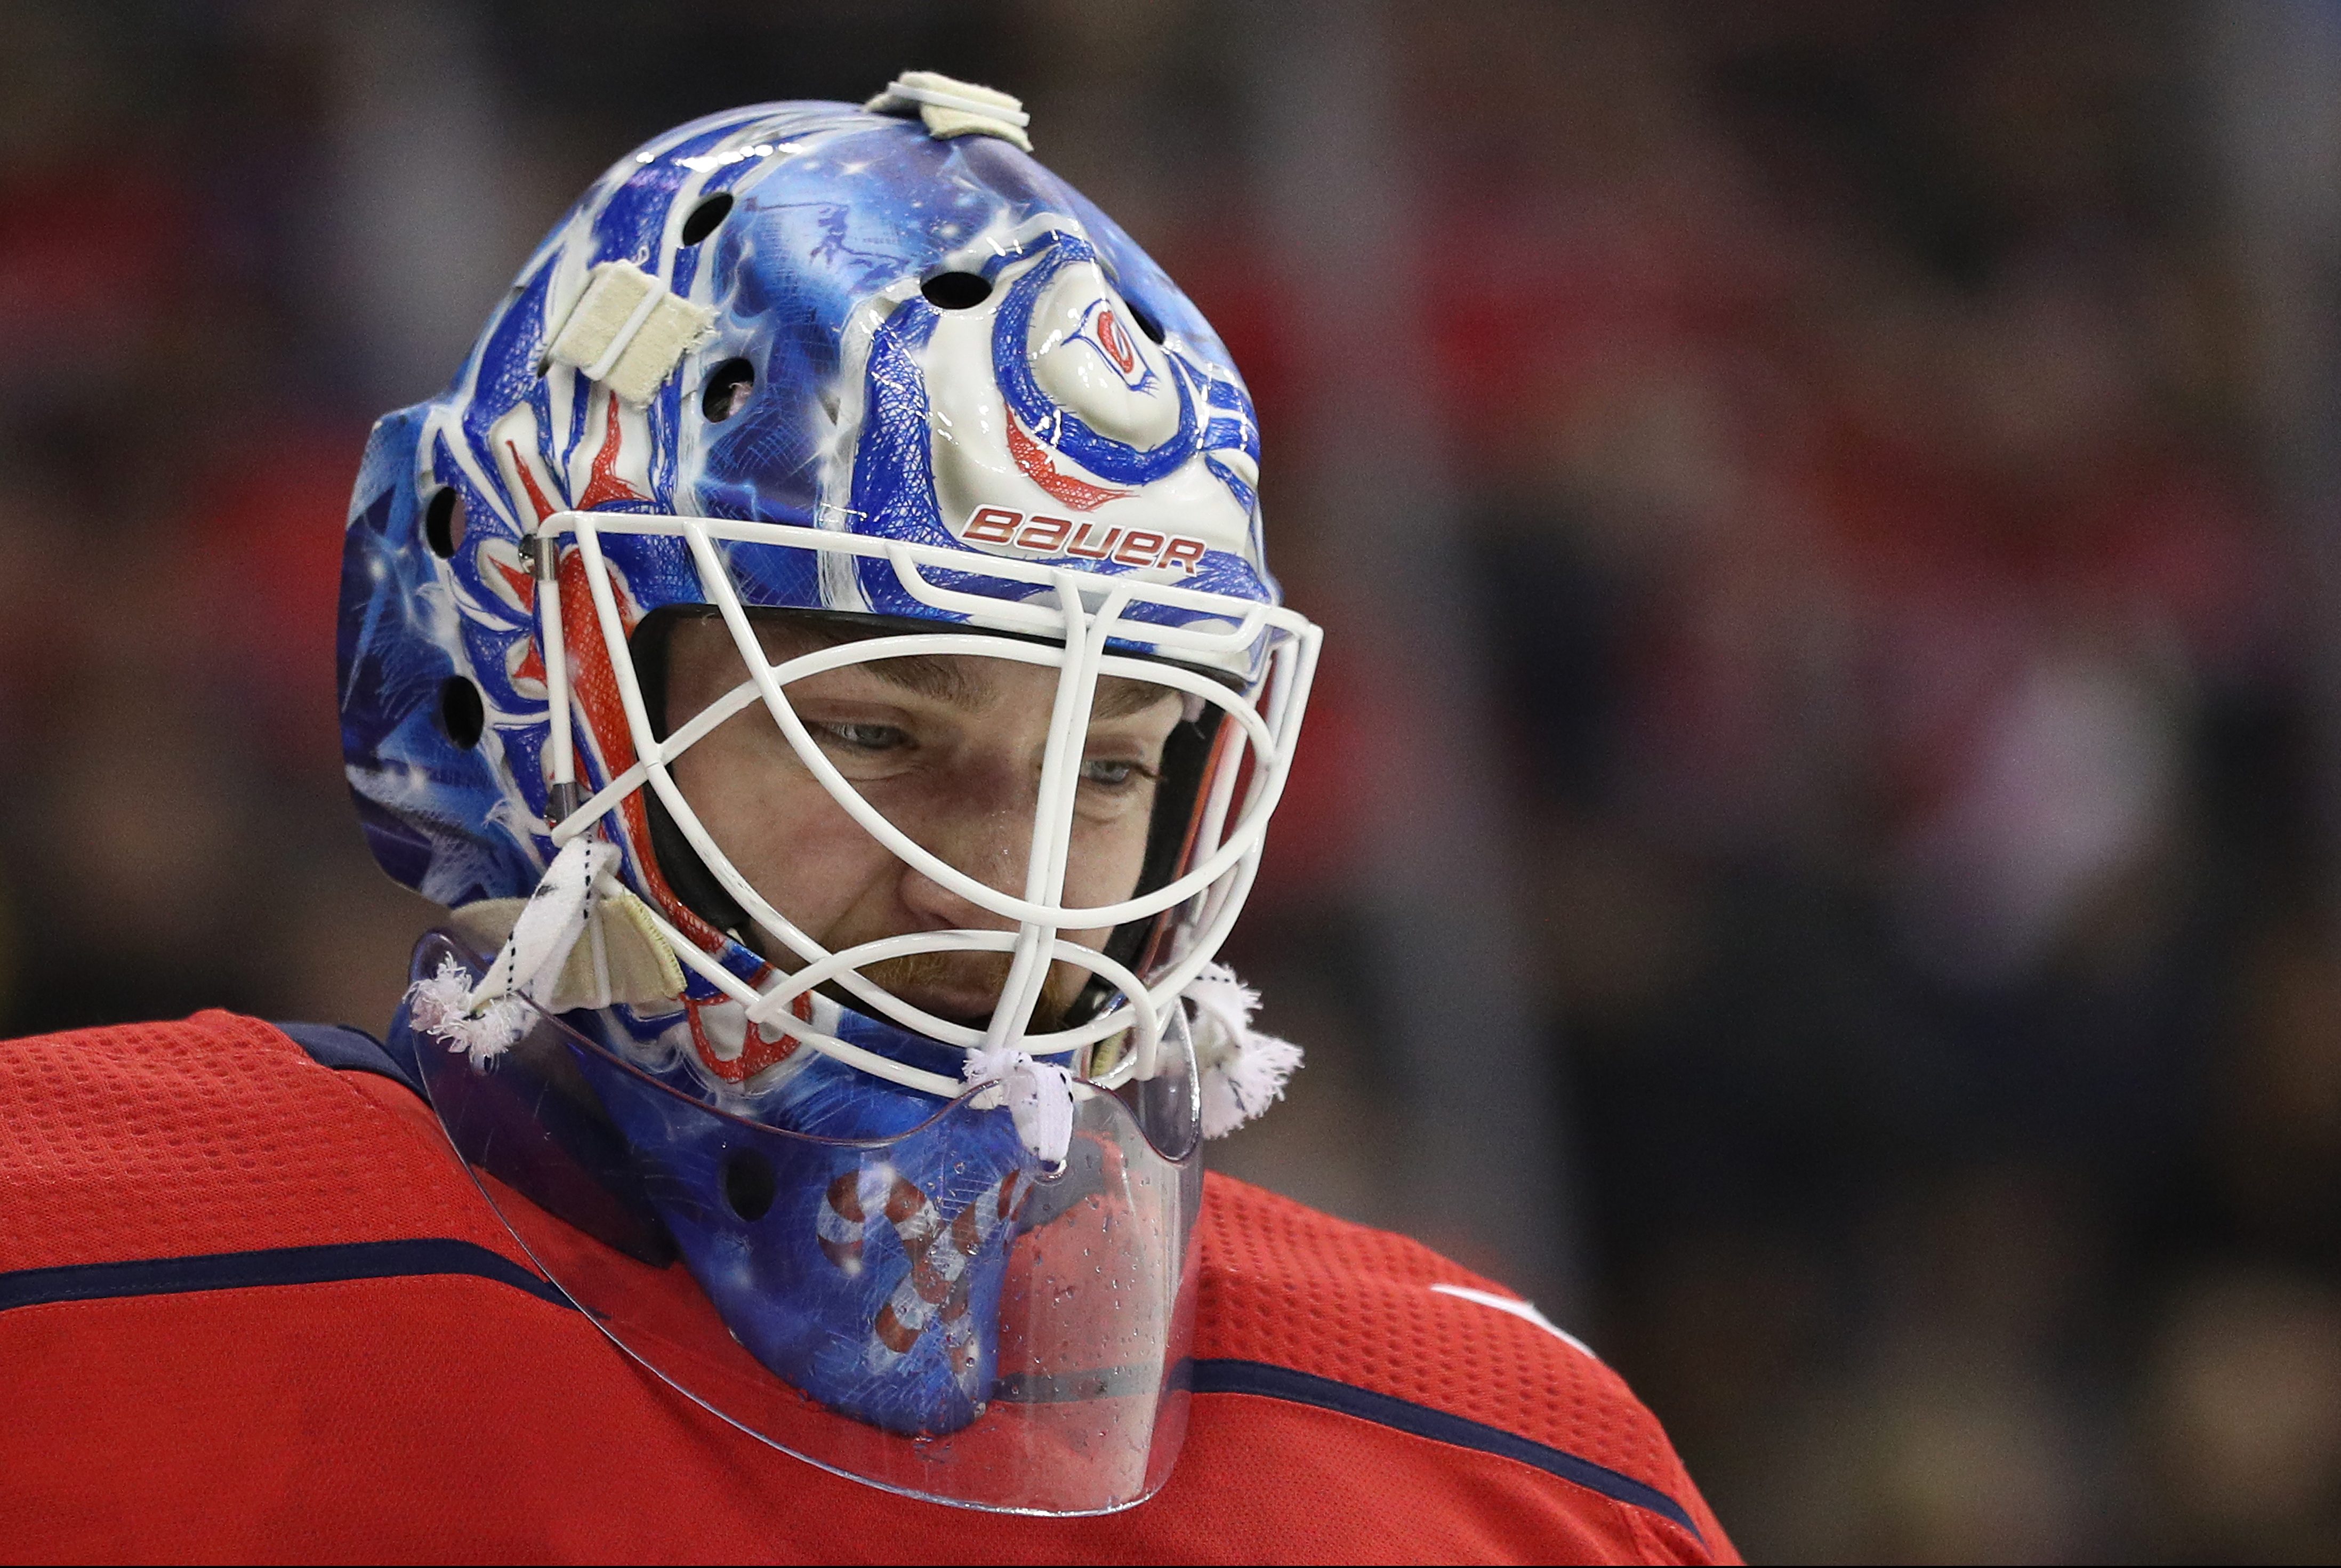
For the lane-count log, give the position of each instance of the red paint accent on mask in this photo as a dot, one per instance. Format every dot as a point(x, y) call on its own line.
point(593, 687)
point(757, 1054)
point(528, 482)
point(523, 585)
point(1034, 459)
point(604, 484)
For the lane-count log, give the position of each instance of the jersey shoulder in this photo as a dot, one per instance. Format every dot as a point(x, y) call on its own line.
point(148, 1169)
point(215, 1136)
point(1297, 1305)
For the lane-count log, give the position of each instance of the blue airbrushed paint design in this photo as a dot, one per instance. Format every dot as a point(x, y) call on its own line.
point(502, 371)
point(797, 1311)
point(770, 577)
point(845, 212)
point(794, 1309)
point(862, 203)
point(633, 220)
point(893, 492)
point(421, 799)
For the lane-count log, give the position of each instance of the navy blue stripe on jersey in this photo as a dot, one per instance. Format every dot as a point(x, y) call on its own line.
point(348, 1050)
point(1216, 1375)
point(423, 1255)
point(434, 1255)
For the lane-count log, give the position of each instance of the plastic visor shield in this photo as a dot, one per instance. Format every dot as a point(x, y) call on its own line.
point(931, 1312)
point(1084, 626)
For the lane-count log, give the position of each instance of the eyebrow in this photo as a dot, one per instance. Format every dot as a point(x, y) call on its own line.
point(947, 680)
point(929, 675)
point(1119, 697)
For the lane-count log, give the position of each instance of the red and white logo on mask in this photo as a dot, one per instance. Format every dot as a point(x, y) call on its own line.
point(1107, 329)
point(1085, 537)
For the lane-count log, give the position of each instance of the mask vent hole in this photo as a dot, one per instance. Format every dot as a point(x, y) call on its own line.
point(442, 522)
point(727, 390)
point(748, 1185)
point(956, 290)
point(461, 713)
point(1145, 320)
point(705, 216)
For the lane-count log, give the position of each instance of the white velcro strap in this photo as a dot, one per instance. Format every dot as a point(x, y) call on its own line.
point(954, 108)
point(622, 960)
point(628, 331)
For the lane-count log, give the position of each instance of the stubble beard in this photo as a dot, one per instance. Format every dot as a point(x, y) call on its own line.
point(984, 973)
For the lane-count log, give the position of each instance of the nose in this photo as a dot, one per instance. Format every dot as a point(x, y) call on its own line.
point(984, 831)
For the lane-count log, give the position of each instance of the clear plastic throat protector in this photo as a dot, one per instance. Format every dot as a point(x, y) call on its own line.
point(933, 1311)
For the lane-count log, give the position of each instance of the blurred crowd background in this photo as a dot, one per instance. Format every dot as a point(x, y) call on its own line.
point(1816, 851)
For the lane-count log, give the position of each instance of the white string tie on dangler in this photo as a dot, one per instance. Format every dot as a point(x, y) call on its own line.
point(1243, 1071)
point(485, 1020)
point(1038, 1095)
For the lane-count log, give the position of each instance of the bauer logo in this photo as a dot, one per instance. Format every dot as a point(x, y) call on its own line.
point(1086, 538)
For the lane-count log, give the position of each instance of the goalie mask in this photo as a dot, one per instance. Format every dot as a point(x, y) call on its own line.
point(839, 474)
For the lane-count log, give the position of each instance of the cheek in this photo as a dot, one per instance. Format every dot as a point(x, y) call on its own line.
point(778, 828)
point(1106, 860)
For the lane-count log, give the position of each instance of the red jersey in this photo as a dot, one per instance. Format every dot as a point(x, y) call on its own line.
point(252, 1307)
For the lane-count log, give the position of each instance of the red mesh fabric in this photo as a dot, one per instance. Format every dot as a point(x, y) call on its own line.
point(1284, 1284)
point(213, 1134)
point(447, 1417)
point(454, 1419)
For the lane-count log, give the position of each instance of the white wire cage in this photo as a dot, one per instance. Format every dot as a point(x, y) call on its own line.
point(1086, 624)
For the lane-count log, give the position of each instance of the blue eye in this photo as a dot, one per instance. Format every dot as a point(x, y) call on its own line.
point(864, 737)
point(1112, 775)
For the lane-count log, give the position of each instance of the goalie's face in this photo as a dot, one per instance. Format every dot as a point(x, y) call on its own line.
point(950, 749)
